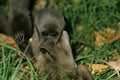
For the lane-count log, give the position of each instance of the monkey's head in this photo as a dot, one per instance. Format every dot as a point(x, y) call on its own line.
point(49, 24)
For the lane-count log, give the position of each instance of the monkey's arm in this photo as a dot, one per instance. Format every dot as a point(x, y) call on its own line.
point(65, 44)
point(80, 72)
point(20, 21)
point(20, 17)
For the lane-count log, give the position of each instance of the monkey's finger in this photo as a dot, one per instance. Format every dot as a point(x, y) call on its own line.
point(83, 72)
point(65, 42)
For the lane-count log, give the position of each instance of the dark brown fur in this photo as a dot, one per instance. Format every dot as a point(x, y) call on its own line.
point(20, 21)
point(20, 18)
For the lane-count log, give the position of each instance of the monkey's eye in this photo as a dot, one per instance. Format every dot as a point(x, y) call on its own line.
point(54, 33)
point(45, 33)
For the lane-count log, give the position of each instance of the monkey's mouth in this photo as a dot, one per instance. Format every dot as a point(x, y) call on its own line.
point(44, 51)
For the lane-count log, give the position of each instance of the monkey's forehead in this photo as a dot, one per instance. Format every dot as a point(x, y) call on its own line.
point(50, 27)
point(49, 17)
point(50, 21)
point(49, 14)
point(48, 11)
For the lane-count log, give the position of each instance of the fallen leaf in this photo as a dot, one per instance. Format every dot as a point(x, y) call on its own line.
point(99, 39)
point(7, 40)
point(116, 57)
point(115, 65)
point(111, 35)
point(97, 68)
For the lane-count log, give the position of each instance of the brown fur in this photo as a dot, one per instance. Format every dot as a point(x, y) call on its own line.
point(53, 54)
point(58, 60)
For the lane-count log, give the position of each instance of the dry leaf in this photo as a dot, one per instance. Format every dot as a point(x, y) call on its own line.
point(116, 57)
point(99, 39)
point(114, 65)
point(111, 35)
point(7, 40)
point(97, 68)
point(116, 37)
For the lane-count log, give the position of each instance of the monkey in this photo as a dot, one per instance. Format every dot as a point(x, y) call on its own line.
point(47, 27)
point(79, 73)
point(51, 48)
point(44, 59)
point(58, 60)
point(20, 21)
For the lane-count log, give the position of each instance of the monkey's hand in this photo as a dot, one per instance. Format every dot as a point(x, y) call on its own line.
point(80, 73)
point(19, 37)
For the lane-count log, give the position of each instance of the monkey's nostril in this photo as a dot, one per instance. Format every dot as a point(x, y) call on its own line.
point(43, 50)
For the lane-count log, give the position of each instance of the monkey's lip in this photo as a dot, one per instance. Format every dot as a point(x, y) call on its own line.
point(43, 50)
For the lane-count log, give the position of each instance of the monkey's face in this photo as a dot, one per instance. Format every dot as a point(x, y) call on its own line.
point(49, 24)
point(50, 32)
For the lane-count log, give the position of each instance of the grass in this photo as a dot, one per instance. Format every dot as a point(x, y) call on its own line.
point(83, 17)
point(13, 63)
